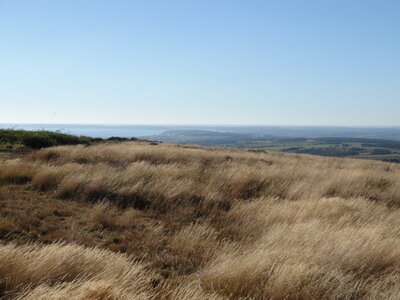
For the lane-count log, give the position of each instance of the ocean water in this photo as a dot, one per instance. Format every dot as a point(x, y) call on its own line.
point(102, 131)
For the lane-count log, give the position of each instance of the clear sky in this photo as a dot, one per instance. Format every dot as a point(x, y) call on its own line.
point(321, 62)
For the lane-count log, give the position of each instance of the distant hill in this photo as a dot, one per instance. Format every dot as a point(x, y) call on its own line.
point(206, 137)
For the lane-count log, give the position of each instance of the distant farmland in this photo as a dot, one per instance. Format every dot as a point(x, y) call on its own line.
point(378, 149)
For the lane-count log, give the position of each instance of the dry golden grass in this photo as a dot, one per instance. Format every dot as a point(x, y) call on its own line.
point(17, 171)
point(197, 223)
point(64, 271)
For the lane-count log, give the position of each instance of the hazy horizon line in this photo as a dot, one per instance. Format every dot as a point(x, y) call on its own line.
point(210, 124)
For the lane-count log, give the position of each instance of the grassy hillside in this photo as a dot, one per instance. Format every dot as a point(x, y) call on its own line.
point(12, 141)
point(140, 220)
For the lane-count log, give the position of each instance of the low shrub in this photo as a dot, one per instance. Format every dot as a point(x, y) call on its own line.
point(41, 138)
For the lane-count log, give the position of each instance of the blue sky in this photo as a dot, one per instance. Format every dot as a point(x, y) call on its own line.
point(200, 62)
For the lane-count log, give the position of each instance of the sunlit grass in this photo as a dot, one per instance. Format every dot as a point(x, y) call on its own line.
point(200, 223)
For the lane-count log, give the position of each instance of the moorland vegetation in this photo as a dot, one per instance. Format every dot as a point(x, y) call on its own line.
point(140, 220)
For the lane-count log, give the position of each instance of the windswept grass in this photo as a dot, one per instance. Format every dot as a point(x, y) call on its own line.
point(61, 271)
point(144, 221)
point(17, 171)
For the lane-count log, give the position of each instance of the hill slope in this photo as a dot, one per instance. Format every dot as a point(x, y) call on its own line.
point(140, 220)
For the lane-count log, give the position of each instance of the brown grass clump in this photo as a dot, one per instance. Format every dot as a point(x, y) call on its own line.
point(107, 216)
point(50, 177)
point(60, 271)
point(312, 249)
point(194, 239)
point(139, 221)
point(17, 171)
point(104, 215)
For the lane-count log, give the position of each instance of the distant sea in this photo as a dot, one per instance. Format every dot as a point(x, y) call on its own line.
point(102, 131)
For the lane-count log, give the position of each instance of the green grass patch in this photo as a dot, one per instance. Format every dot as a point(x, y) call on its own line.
point(12, 139)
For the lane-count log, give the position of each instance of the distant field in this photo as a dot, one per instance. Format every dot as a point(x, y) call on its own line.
point(366, 149)
point(378, 149)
